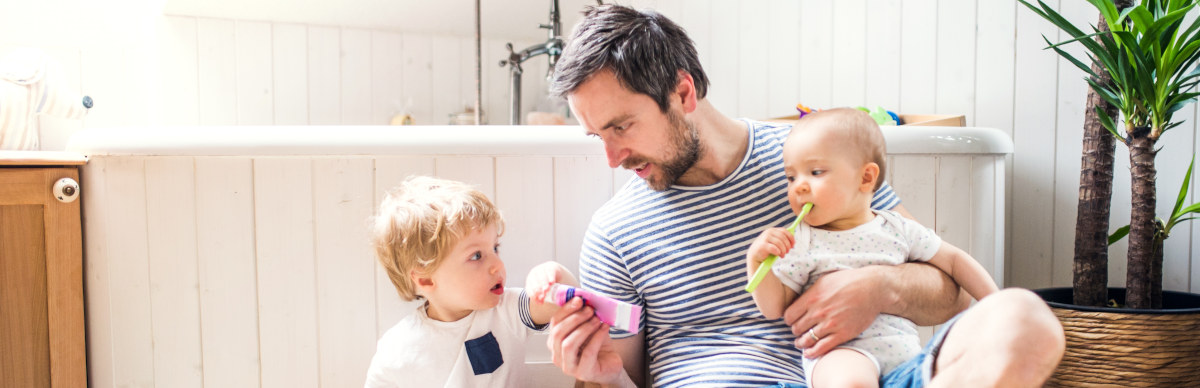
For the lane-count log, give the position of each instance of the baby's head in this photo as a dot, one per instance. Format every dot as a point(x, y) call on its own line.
point(424, 220)
point(834, 159)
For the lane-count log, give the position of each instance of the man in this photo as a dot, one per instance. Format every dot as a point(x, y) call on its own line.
point(673, 242)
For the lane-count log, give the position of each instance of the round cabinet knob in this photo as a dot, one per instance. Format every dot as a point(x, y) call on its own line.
point(66, 190)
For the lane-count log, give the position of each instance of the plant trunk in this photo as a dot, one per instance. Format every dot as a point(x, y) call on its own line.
point(1142, 228)
point(1095, 195)
point(1156, 294)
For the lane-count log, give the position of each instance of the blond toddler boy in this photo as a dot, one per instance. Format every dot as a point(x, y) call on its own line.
point(835, 159)
point(439, 242)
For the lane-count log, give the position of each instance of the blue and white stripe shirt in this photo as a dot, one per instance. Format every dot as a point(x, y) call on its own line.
point(680, 254)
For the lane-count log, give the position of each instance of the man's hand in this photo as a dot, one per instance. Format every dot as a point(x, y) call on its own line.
point(580, 346)
point(837, 308)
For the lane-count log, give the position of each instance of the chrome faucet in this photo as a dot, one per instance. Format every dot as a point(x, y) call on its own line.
point(552, 48)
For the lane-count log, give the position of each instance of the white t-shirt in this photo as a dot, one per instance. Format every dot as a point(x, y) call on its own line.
point(484, 349)
point(888, 239)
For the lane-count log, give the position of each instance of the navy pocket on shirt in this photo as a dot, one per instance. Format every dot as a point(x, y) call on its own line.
point(484, 353)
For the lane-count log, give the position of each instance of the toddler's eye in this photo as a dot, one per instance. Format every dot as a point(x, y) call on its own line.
point(791, 178)
point(817, 172)
point(496, 248)
point(476, 256)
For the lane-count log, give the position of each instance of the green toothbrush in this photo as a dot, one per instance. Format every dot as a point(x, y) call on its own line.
point(766, 264)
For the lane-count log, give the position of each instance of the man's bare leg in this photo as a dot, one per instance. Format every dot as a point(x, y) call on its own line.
point(1009, 339)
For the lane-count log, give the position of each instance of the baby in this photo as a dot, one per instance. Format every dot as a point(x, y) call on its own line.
point(438, 241)
point(835, 160)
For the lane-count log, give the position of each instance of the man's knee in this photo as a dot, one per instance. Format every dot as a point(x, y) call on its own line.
point(1037, 341)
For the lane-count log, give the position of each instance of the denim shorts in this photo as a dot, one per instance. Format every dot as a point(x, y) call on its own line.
point(915, 372)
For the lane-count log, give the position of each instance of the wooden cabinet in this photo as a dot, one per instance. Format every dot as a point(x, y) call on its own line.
point(41, 274)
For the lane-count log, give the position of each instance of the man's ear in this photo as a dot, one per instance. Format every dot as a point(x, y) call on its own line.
point(870, 175)
point(685, 90)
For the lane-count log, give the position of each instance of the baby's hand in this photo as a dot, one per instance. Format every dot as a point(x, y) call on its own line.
point(541, 277)
point(773, 241)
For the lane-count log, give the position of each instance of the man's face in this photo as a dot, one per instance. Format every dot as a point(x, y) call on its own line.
point(637, 136)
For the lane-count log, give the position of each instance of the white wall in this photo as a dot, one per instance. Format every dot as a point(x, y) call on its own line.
point(982, 58)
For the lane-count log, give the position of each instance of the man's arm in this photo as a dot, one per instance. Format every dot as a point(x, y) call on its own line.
point(842, 304)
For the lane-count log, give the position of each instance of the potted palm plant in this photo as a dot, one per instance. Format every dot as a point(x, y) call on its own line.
point(1143, 66)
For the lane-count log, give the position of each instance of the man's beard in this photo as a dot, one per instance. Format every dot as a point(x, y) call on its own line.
point(685, 151)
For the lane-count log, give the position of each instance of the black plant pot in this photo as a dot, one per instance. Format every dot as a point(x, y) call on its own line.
point(1120, 347)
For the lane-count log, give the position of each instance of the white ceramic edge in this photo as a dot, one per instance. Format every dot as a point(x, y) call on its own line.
point(497, 140)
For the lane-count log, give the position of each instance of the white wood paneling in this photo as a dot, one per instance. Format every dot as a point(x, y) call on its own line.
point(98, 294)
point(324, 75)
point(475, 170)
point(816, 19)
point(289, 62)
point(418, 78)
point(1033, 159)
point(955, 90)
point(753, 42)
point(355, 69)
point(525, 195)
point(882, 51)
point(225, 246)
point(918, 55)
point(216, 71)
point(128, 275)
point(255, 105)
point(286, 271)
point(847, 62)
point(387, 76)
point(723, 67)
point(576, 195)
point(994, 64)
point(174, 278)
point(784, 52)
point(343, 200)
point(448, 80)
point(177, 84)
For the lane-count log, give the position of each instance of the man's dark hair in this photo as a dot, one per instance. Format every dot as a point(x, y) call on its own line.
point(643, 48)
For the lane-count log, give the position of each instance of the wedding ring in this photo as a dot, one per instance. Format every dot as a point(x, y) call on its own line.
point(813, 335)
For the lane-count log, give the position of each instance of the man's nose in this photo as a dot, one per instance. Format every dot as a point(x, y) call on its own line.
point(615, 154)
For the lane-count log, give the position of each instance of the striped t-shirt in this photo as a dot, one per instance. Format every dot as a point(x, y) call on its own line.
point(680, 254)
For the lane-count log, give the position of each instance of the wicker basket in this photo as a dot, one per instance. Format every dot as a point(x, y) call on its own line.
point(1131, 348)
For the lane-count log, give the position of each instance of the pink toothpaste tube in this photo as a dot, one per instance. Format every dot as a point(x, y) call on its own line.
point(615, 313)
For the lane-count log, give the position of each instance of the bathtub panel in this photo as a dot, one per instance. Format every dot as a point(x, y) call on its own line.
point(953, 200)
point(94, 180)
point(576, 195)
point(389, 172)
point(987, 209)
point(174, 278)
point(225, 242)
point(286, 271)
point(914, 179)
point(525, 196)
point(343, 199)
point(132, 344)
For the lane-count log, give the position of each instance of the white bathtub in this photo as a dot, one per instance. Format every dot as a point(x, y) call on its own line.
point(238, 256)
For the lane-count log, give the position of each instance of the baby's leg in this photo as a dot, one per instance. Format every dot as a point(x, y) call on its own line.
point(844, 367)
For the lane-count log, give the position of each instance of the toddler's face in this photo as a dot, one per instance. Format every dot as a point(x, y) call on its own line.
point(470, 278)
point(822, 171)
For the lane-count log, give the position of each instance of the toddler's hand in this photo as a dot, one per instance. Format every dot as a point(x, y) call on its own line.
point(773, 241)
point(540, 278)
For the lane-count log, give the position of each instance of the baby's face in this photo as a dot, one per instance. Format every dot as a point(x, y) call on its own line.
point(470, 277)
point(821, 170)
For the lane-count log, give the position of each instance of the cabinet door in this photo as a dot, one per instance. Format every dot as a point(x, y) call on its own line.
point(41, 282)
